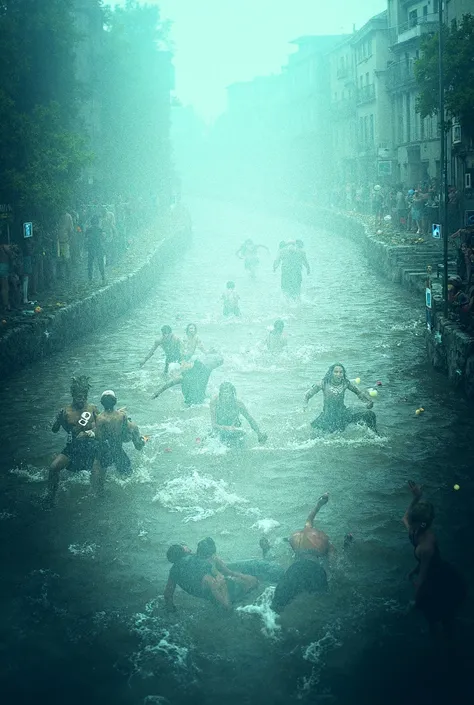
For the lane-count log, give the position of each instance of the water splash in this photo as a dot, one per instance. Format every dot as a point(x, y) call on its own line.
point(261, 607)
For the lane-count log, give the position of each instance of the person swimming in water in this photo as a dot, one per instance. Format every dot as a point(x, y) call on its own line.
point(335, 415)
point(238, 584)
point(306, 573)
point(439, 588)
point(193, 376)
point(226, 411)
point(78, 420)
point(192, 342)
point(249, 252)
point(276, 340)
point(113, 428)
point(171, 345)
point(231, 300)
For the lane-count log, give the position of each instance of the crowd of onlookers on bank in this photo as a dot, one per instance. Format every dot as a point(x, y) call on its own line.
point(416, 210)
point(80, 246)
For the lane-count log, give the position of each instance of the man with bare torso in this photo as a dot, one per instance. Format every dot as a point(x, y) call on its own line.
point(172, 347)
point(78, 420)
point(113, 428)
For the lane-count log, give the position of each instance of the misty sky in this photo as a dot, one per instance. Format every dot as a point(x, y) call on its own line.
point(218, 42)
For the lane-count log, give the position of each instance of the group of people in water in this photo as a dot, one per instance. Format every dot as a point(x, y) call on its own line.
point(95, 442)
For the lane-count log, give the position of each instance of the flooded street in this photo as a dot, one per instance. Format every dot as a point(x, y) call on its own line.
point(82, 609)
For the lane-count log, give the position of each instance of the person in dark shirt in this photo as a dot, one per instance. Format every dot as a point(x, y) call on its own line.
point(195, 576)
point(193, 377)
point(95, 248)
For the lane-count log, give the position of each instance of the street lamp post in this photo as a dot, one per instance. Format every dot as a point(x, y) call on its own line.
point(443, 192)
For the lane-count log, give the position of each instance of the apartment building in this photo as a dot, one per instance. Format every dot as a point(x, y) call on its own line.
point(343, 114)
point(416, 140)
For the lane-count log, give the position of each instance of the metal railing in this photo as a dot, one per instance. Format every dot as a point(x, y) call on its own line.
point(425, 22)
point(342, 72)
point(366, 93)
point(400, 74)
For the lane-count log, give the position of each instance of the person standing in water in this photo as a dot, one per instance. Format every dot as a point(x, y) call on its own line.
point(192, 342)
point(306, 573)
point(193, 377)
point(276, 341)
point(226, 411)
point(231, 300)
point(439, 588)
point(249, 253)
point(113, 428)
point(78, 420)
point(292, 258)
point(171, 345)
point(335, 415)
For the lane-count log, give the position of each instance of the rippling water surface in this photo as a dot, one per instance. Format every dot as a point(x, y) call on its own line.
point(82, 610)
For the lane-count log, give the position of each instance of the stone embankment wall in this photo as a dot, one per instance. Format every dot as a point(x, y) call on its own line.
point(450, 350)
point(49, 333)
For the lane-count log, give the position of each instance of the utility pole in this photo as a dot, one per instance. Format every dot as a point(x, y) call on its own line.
point(443, 163)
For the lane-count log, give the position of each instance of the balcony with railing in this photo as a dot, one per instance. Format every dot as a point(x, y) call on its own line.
point(343, 108)
point(400, 75)
point(365, 94)
point(414, 28)
point(342, 71)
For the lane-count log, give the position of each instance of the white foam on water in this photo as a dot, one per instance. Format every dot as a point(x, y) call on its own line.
point(262, 609)
point(83, 549)
point(156, 700)
point(198, 496)
point(30, 473)
point(266, 525)
point(316, 653)
point(4, 516)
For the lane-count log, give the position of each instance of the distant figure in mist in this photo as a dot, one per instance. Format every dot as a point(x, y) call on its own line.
point(276, 340)
point(95, 243)
point(193, 376)
point(249, 253)
point(306, 573)
point(226, 411)
point(231, 300)
point(113, 428)
point(439, 588)
point(171, 345)
point(335, 415)
point(292, 258)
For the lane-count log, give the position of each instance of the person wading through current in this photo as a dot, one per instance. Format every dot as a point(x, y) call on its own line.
point(249, 252)
point(292, 258)
point(276, 340)
point(78, 420)
point(113, 428)
point(171, 345)
point(439, 588)
point(193, 377)
point(306, 573)
point(226, 411)
point(238, 584)
point(192, 342)
point(335, 415)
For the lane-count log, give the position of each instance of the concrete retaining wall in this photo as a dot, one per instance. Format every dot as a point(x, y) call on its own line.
point(47, 334)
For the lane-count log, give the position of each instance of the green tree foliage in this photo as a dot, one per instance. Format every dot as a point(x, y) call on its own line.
point(135, 79)
point(458, 70)
point(42, 144)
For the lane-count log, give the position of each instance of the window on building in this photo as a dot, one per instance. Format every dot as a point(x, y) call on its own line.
point(367, 78)
point(369, 46)
point(366, 129)
point(435, 5)
point(413, 18)
point(425, 11)
point(407, 118)
point(371, 129)
point(361, 130)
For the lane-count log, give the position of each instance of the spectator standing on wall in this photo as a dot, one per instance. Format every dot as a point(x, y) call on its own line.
point(65, 235)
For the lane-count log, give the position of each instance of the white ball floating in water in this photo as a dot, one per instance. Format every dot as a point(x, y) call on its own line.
point(456, 487)
point(373, 392)
point(356, 380)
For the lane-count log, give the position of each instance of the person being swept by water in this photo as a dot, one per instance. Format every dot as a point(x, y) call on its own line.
point(113, 428)
point(238, 584)
point(226, 411)
point(439, 588)
point(306, 573)
point(335, 415)
point(276, 340)
point(231, 300)
point(192, 342)
point(249, 253)
point(292, 258)
point(193, 376)
point(171, 345)
point(79, 421)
